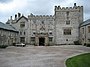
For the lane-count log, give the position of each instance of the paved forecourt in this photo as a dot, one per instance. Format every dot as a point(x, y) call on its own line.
point(39, 56)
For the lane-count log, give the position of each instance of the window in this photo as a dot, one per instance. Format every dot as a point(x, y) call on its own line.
point(88, 40)
point(67, 17)
point(83, 30)
point(50, 38)
point(88, 29)
point(20, 33)
point(67, 32)
point(22, 24)
point(68, 22)
point(32, 38)
point(33, 32)
point(24, 33)
point(50, 33)
point(42, 22)
point(67, 13)
point(66, 39)
point(22, 39)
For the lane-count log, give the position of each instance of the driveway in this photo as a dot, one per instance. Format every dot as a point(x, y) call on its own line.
point(39, 56)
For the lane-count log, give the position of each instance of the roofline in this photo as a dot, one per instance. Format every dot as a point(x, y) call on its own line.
point(21, 17)
point(9, 30)
point(85, 25)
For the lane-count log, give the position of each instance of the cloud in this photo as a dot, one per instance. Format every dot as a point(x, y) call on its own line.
point(38, 7)
point(86, 5)
point(5, 1)
point(12, 6)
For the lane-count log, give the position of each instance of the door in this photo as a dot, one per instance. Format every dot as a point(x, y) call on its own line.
point(42, 41)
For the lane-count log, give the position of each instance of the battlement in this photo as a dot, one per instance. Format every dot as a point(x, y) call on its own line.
point(68, 8)
point(40, 16)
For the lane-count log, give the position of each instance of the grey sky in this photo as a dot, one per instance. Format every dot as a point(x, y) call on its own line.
point(38, 7)
point(5, 1)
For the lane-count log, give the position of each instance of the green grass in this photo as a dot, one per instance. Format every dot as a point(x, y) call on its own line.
point(82, 60)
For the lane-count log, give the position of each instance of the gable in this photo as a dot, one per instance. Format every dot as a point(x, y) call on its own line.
point(22, 17)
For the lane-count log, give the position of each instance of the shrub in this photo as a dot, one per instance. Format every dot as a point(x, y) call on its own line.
point(3, 46)
point(14, 44)
point(77, 43)
point(35, 44)
point(84, 44)
point(88, 45)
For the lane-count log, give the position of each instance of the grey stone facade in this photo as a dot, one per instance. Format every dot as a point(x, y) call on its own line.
point(85, 32)
point(60, 28)
point(8, 34)
point(68, 18)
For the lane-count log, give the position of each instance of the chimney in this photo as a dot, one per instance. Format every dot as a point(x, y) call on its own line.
point(15, 16)
point(74, 4)
point(19, 15)
point(11, 18)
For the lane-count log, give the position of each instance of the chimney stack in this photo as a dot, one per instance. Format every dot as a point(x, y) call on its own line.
point(19, 15)
point(15, 16)
point(74, 4)
point(11, 18)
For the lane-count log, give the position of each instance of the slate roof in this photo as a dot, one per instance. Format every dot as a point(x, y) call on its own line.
point(7, 27)
point(87, 22)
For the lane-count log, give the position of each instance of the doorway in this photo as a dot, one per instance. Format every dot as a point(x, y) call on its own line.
point(42, 41)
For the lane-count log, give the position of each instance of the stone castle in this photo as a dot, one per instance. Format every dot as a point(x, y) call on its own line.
point(60, 28)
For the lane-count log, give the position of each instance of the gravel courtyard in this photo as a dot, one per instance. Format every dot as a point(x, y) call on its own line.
point(39, 56)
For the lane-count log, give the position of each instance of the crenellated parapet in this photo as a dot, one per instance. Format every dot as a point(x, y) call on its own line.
point(40, 16)
point(58, 8)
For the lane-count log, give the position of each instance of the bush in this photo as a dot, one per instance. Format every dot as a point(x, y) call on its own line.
point(88, 45)
point(3, 46)
point(85, 44)
point(35, 44)
point(14, 44)
point(77, 43)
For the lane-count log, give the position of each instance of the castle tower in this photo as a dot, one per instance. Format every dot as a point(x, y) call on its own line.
point(67, 21)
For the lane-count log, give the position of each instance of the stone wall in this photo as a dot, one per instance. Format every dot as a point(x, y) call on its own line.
point(7, 37)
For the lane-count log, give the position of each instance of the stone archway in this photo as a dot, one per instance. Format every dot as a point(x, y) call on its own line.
point(41, 39)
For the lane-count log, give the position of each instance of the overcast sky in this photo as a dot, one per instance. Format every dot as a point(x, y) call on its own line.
point(38, 7)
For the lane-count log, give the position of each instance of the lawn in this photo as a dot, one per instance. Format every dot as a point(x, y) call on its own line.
point(82, 60)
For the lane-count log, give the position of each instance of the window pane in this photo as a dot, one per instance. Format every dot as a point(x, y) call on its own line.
point(32, 38)
point(67, 32)
point(83, 30)
point(88, 29)
point(68, 22)
point(22, 39)
point(50, 38)
point(22, 24)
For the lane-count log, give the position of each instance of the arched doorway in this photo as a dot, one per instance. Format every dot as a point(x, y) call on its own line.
point(41, 41)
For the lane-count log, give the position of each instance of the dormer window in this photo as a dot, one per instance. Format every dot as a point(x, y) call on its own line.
point(22, 24)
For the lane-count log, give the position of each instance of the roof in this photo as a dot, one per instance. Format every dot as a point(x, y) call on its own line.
point(87, 22)
point(22, 17)
point(7, 27)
